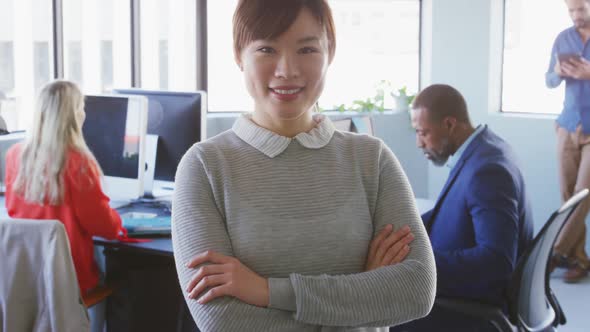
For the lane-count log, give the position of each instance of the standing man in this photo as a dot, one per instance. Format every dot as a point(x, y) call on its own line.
point(481, 222)
point(570, 62)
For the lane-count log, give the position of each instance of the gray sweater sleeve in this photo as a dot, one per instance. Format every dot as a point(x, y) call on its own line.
point(386, 296)
point(197, 226)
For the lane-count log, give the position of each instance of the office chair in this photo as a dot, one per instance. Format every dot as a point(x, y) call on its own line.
point(38, 285)
point(532, 306)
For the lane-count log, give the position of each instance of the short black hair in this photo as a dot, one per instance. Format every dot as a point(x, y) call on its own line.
point(441, 101)
point(268, 19)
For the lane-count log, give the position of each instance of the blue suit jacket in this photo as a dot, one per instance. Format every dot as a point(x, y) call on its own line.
point(481, 222)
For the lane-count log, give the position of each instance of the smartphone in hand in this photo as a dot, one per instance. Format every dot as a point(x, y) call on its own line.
point(565, 57)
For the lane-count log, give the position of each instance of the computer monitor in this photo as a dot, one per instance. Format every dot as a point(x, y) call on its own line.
point(179, 120)
point(362, 125)
point(114, 130)
point(342, 124)
point(6, 142)
point(355, 124)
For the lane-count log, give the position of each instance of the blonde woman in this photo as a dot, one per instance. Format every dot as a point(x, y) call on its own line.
point(53, 175)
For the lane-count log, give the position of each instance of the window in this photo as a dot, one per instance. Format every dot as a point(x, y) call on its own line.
point(382, 34)
point(168, 44)
point(25, 57)
point(97, 44)
point(6, 66)
point(528, 39)
point(225, 85)
point(375, 40)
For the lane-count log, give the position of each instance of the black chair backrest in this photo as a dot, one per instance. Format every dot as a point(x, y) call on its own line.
point(531, 303)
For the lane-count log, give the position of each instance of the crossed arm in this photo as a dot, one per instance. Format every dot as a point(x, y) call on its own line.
point(200, 237)
point(227, 276)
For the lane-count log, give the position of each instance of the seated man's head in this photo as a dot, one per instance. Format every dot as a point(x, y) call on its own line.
point(439, 116)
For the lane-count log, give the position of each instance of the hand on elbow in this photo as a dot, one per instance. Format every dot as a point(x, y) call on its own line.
point(226, 276)
point(389, 247)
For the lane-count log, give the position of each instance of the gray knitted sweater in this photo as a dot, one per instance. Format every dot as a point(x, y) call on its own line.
point(301, 211)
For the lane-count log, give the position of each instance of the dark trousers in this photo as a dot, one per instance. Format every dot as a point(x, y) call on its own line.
point(444, 320)
point(147, 296)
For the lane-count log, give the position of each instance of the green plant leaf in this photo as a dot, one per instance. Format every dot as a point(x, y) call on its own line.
point(377, 102)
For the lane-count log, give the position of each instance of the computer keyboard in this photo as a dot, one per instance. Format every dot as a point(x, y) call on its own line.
point(145, 217)
point(160, 208)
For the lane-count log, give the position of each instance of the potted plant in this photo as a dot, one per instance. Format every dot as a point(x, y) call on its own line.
point(376, 103)
point(367, 105)
point(403, 100)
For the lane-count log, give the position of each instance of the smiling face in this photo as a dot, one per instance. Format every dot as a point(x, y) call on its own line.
point(579, 11)
point(285, 75)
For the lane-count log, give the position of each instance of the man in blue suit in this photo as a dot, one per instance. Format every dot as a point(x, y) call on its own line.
point(481, 222)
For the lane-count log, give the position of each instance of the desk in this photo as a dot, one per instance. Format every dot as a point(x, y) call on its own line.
point(157, 246)
point(163, 246)
point(160, 249)
point(147, 295)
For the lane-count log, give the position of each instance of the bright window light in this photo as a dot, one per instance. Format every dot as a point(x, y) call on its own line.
point(26, 57)
point(97, 44)
point(168, 44)
point(530, 30)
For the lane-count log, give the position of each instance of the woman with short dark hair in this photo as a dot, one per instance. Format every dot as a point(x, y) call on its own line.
point(284, 223)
